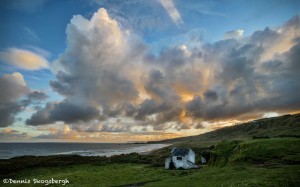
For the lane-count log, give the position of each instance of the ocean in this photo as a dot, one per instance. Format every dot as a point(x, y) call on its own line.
point(9, 150)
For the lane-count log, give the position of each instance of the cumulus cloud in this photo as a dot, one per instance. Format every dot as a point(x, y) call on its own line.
point(106, 73)
point(24, 59)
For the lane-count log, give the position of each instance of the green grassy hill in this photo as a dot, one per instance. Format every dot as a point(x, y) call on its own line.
point(283, 126)
point(260, 152)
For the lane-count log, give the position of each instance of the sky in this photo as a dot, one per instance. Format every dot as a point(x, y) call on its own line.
point(138, 70)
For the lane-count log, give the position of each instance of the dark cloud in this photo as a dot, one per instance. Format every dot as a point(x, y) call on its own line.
point(12, 87)
point(42, 116)
point(264, 37)
point(13, 135)
point(211, 95)
point(148, 107)
point(64, 84)
point(69, 113)
point(171, 115)
point(114, 128)
point(172, 58)
point(35, 97)
point(195, 107)
point(8, 111)
point(158, 86)
point(63, 111)
point(199, 126)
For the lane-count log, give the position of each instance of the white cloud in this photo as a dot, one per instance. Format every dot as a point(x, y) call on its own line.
point(234, 34)
point(24, 59)
point(270, 114)
point(172, 11)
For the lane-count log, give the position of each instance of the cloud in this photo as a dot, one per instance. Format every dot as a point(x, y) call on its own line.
point(63, 111)
point(7, 112)
point(237, 34)
point(35, 97)
point(100, 47)
point(41, 116)
point(12, 87)
point(69, 133)
point(246, 83)
point(107, 74)
point(279, 40)
point(24, 59)
point(13, 135)
point(172, 11)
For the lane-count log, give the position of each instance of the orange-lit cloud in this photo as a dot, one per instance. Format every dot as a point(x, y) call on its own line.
point(24, 59)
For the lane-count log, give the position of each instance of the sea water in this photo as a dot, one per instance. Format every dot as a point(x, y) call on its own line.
point(9, 150)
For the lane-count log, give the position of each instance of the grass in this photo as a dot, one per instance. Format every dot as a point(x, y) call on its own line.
point(107, 175)
point(236, 176)
point(258, 151)
point(124, 174)
point(258, 162)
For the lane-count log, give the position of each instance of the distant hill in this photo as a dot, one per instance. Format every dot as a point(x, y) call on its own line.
point(283, 126)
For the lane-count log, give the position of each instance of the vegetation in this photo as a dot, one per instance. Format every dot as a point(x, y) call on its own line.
point(265, 152)
point(269, 157)
point(283, 126)
point(129, 174)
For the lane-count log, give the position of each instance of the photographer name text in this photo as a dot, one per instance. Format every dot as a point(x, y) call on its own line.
point(46, 182)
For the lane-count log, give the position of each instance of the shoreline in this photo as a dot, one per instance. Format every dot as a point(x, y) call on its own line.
point(142, 149)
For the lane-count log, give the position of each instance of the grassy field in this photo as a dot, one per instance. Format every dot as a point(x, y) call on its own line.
point(257, 162)
point(126, 174)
